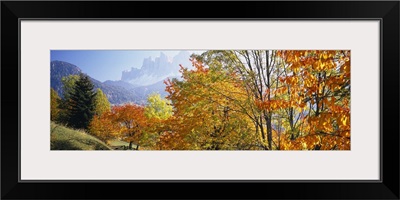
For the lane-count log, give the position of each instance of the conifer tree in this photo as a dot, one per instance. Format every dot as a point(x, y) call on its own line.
point(82, 104)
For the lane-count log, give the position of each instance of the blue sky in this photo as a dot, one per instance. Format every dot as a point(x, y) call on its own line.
point(106, 64)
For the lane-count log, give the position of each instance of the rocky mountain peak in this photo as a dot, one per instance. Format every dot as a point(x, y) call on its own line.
point(153, 71)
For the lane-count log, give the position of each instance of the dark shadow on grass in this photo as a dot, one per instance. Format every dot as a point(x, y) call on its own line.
point(63, 145)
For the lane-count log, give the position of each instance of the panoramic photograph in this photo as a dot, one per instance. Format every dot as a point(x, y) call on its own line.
point(142, 100)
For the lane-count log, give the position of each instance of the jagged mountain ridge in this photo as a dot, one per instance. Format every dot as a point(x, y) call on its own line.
point(153, 71)
point(135, 84)
point(117, 92)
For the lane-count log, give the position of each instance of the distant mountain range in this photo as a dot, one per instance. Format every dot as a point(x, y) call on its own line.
point(152, 71)
point(115, 94)
point(135, 84)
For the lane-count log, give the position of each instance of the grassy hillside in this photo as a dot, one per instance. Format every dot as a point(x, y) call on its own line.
point(63, 138)
point(120, 145)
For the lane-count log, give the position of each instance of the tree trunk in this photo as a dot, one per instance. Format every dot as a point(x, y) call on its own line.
point(269, 130)
point(268, 114)
point(130, 145)
point(291, 122)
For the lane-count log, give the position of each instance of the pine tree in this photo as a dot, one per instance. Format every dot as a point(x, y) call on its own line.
point(82, 104)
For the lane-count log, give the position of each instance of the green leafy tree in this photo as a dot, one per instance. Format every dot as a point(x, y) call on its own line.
point(64, 104)
point(157, 107)
point(68, 85)
point(102, 103)
point(54, 103)
point(82, 103)
point(158, 111)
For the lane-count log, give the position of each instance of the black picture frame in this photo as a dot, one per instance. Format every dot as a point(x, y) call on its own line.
point(13, 11)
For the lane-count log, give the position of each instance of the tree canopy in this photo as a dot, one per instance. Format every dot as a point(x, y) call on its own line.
point(228, 100)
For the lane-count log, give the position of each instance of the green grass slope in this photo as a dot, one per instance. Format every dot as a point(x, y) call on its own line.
point(63, 138)
point(120, 145)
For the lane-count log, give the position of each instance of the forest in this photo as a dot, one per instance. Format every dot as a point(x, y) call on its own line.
point(227, 100)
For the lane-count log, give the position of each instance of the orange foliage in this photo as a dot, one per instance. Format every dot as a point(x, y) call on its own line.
point(320, 79)
point(306, 102)
point(126, 122)
point(205, 116)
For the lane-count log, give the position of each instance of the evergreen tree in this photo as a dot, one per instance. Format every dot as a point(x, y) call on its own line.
point(82, 103)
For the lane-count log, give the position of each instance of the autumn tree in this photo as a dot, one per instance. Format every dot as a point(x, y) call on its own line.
point(320, 89)
point(101, 124)
point(54, 105)
point(204, 110)
point(131, 122)
point(289, 93)
point(124, 122)
point(244, 100)
point(104, 127)
point(258, 72)
point(157, 111)
point(101, 103)
point(157, 107)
